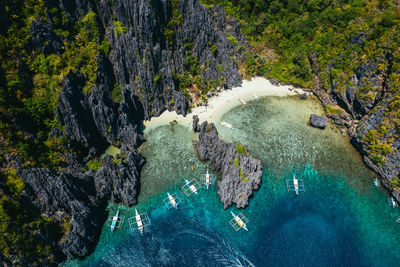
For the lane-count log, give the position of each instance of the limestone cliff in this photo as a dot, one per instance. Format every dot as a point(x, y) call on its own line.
point(240, 172)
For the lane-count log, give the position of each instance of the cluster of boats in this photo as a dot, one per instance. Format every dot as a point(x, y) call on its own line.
point(141, 220)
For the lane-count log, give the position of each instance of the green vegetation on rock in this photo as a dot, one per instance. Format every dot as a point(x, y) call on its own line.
point(95, 164)
point(119, 28)
point(241, 149)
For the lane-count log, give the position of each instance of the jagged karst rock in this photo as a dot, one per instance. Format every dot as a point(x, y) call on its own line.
point(241, 174)
point(144, 63)
point(119, 178)
point(44, 38)
point(362, 113)
point(318, 121)
point(81, 197)
point(74, 113)
point(196, 127)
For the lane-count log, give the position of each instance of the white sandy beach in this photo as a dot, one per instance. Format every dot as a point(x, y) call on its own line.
point(225, 100)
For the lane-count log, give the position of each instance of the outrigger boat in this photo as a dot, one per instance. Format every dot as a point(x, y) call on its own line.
point(208, 179)
point(226, 125)
point(295, 185)
point(239, 221)
point(191, 187)
point(392, 202)
point(256, 97)
point(172, 200)
point(243, 103)
point(114, 221)
point(376, 182)
point(139, 222)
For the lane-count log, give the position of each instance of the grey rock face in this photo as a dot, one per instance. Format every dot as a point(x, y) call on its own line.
point(145, 64)
point(74, 113)
point(364, 104)
point(44, 38)
point(318, 121)
point(196, 127)
point(81, 197)
point(119, 178)
point(241, 174)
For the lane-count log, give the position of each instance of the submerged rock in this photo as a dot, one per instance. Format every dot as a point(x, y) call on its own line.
point(318, 121)
point(241, 173)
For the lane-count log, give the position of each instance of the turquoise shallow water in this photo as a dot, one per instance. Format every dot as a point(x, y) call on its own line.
point(340, 220)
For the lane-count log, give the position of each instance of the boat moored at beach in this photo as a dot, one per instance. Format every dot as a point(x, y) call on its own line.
point(243, 103)
point(226, 125)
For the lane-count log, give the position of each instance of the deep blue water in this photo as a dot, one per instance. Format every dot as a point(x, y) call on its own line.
point(340, 220)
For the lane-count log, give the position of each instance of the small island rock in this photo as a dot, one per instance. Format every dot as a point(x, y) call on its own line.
point(318, 121)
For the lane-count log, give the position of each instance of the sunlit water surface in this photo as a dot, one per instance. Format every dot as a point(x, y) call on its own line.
point(340, 220)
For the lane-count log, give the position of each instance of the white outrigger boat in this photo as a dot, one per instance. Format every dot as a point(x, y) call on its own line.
point(392, 202)
point(295, 185)
point(191, 187)
point(172, 200)
point(239, 221)
point(376, 182)
point(115, 221)
point(140, 221)
point(243, 103)
point(207, 179)
point(226, 125)
point(256, 97)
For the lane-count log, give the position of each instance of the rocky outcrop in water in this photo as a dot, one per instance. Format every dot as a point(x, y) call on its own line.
point(240, 172)
point(318, 121)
